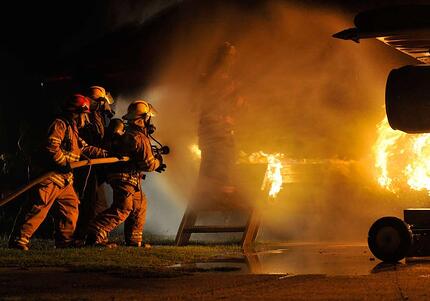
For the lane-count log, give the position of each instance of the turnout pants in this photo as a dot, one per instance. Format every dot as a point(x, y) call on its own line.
point(64, 203)
point(92, 197)
point(129, 206)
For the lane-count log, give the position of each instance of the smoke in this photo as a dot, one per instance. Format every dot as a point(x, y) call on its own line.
point(305, 95)
point(123, 12)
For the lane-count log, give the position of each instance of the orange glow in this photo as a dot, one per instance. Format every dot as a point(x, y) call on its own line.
point(195, 151)
point(383, 149)
point(273, 178)
point(402, 159)
point(418, 170)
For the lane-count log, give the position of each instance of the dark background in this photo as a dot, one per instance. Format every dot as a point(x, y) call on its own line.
point(52, 49)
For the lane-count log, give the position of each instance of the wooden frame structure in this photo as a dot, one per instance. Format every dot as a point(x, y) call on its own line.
point(188, 226)
point(249, 231)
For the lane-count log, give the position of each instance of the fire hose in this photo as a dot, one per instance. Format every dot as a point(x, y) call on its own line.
point(45, 176)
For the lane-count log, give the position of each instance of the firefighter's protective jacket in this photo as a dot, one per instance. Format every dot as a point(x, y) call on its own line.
point(93, 133)
point(136, 145)
point(65, 146)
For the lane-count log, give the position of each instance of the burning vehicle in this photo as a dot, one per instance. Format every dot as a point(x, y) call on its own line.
point(407, 29)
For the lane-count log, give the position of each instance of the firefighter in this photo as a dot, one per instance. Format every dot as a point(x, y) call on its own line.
point(63, 146)
point(101, 114)
point(89, 180)
point(113, 134)
point(129, 201)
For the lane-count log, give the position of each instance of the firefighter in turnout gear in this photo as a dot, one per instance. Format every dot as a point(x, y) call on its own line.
point(113, 134)
point(129, 201)
point(100, 115)
point(89, 180)
point(63, 146)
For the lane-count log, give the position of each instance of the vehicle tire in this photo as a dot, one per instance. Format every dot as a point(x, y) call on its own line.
point(389, 239)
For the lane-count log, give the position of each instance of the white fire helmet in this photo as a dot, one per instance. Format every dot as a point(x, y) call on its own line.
point(97, 92)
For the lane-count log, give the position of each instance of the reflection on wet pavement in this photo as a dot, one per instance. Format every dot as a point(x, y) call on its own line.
point(290, 259)
point(312, 258)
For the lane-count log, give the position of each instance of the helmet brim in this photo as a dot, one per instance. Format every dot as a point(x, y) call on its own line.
point(152, 111)
point(132, 115)
point(109, 98)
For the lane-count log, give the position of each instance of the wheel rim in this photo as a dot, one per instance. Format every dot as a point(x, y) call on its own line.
point(388, 239)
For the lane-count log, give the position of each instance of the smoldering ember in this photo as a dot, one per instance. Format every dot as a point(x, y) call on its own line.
point(196, 149)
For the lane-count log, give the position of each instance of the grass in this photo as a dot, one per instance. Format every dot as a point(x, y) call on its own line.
point(121, 259)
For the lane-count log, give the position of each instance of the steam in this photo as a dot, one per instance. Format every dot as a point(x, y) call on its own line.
point(305, 95)
point(124, 12)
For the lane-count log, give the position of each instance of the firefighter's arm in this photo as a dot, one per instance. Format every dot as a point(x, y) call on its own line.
point(146, 158)
point(56, 133)
point(92, 151)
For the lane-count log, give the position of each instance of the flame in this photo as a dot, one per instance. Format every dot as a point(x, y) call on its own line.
point(195, 151)
point(418, 171)
point(402, 159)
point(387, 138)
point(273, 177)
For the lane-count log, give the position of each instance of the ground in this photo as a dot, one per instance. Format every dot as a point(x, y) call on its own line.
point(269, 271)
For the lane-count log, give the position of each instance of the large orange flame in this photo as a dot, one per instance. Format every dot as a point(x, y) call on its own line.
point(387, 138)
point(418, 170)
point(402, 159)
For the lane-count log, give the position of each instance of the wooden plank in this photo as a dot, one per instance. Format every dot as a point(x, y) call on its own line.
point(213, 229)
point(188, 220)
point(253, 262)
point(251, 230)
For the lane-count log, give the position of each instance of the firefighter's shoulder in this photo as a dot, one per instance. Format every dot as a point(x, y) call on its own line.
point(58, 124)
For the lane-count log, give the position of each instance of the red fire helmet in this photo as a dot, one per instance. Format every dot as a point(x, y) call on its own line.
point(78, 104)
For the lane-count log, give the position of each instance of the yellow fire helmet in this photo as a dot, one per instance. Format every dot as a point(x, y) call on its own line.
point(97, 92)
point(139, 108)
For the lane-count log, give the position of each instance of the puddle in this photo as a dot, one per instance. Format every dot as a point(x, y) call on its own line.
point(289, 260)
point(299, 259)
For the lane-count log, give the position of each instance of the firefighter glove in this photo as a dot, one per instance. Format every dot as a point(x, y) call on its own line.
point(159, 157)
point(116, 155)
point(64, 168)
point(161, 168)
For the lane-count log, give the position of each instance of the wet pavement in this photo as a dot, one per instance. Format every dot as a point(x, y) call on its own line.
point(281, 271)
point(292, 259)
point(312, 258)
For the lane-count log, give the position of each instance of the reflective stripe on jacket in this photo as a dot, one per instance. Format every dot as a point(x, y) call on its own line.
point(64, 146)
point(135, 144)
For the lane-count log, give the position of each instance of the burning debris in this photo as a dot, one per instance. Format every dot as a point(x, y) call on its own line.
point(195, 151)
point(273, 178)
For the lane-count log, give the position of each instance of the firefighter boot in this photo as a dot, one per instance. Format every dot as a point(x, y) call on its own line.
point(99, 239)
point(19, 243)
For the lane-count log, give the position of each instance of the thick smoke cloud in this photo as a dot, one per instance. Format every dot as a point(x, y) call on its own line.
point(307, 95)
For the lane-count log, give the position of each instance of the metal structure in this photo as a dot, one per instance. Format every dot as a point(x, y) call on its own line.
point(407, 29)
point(391, 239)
